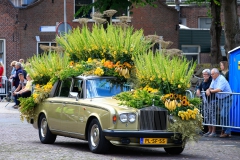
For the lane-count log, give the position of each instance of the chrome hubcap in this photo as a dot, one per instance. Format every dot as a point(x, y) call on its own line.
point(43, 127)
point(94, 135)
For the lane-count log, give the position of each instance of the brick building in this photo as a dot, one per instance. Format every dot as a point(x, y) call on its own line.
point(25, 24)
point(197, 36)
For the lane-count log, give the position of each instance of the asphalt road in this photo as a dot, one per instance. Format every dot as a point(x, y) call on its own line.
point(19, 141)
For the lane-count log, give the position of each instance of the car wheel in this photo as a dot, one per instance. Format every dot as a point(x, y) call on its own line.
point(174, 150)
point(45, 135)
point(96, 141)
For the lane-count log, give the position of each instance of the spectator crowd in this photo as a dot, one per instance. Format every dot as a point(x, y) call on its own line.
point(21, 82)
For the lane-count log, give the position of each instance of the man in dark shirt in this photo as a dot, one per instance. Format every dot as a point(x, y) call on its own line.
point(21, 85)
point(16, 77)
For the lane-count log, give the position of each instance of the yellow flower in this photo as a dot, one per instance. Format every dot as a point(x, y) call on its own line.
point(37, 86)
point(103, 61)
point(171, 95)
point(179, 86)
point(175, 96)
point(89, 60)
point(154, 91)
point(184, 102)
point(179, 104)
point(71, 63)
point(35, 95)
point(184, 97)
point(99, 71)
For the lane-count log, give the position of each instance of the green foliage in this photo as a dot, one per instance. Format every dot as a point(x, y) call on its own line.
point(44, 68)
point(139, 99)
point(27, 108)
point(114, 44)
point(167, 74)
point(102, 5)
point(189, 129)
point(195, 101)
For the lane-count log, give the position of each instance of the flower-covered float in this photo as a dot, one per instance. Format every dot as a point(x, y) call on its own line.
point(158, 81)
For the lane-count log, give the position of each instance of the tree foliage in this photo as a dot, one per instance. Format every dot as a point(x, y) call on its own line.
point(102, 5)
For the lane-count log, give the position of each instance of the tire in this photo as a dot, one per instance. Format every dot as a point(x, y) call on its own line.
point(45, 135)
point(96, 141)
point(174, 150)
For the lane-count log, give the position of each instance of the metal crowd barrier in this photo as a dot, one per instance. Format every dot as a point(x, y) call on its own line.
point(5, 88)
point(221, 109)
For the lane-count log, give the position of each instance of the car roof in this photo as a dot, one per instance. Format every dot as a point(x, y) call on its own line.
point(86, 77)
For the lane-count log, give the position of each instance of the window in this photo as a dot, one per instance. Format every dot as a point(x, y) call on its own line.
point(81, 3)
point(17, 3)
point(103, 87)
point(184, 21)
point(3, 52)
point(204, 23)
point(191, 52)
point(65, 88)
point(21, 3)
point(39, 50)
point(77, 87)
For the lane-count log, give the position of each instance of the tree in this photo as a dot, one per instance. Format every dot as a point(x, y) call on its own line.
point(231, 24)
point(215, 29)
point(102, 5)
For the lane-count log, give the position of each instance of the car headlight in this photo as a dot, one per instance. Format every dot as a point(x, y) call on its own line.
point(131, 117)
point(123, 117)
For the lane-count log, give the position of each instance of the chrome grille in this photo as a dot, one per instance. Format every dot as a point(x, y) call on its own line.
point(153, 118)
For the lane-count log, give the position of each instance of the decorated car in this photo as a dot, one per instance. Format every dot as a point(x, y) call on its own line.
point(110, 88)
point(83, 107)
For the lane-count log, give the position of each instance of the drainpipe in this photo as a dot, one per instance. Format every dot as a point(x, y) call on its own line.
point(65, 17)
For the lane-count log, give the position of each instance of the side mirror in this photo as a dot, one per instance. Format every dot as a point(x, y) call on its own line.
point(74, 94)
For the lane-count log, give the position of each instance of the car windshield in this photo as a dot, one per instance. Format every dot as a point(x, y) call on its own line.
point(104, 87)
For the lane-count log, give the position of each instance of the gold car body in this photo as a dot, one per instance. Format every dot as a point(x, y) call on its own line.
point(70, 117)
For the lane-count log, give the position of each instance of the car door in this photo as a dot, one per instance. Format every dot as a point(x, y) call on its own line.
point(71, 110)
point(56, 104)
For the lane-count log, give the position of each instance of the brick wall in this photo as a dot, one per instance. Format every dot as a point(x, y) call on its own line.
point(192, 13)
point(9, 32)
point(161, 21)
point(43, 13)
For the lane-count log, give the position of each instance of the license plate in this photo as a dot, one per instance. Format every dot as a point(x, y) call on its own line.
point(153, 140)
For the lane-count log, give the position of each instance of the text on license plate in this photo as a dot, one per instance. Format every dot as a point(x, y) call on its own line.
point(153, 140)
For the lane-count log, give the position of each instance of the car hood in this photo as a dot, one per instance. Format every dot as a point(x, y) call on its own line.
point(107, 102)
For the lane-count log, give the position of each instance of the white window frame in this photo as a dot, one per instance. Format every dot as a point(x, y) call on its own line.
point(198, 53)
point(49, 44)
point(184, 21)
point(17, 3)
point(199, 22)
point(4, 55)
point(93, 10)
